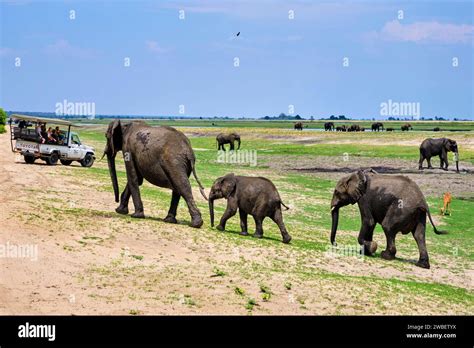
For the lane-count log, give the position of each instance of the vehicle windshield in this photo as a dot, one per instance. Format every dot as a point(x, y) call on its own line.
point(75, 139)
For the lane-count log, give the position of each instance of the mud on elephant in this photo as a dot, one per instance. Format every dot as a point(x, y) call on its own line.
point(161, 155)
point(254, 196)
point(394, 202)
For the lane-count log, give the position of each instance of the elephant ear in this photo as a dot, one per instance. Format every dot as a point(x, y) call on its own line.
point(356, 185)
point(114, 137)
point(228, 185)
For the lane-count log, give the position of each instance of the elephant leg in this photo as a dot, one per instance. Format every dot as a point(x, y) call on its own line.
point(230, 211)
point(171, 217)
point(390, 251)
point(180, 183)
point(441, 162)
point(258, 227)
point(134, 180)
point(419, 235)
point(231, 146)
point(124, 199)
point(428, 159)
point(278, 218)
point(445, 160)
point(420, 163)
point(365, 237)
point(243, 223)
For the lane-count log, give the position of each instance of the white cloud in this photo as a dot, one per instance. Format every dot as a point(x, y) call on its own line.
point(425, 32)
point(154, 47)
point(65, 49)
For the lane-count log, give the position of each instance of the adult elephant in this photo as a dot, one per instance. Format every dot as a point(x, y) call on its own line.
point(298, 126)
point(406, 127)
point(329, 126)
point(377, 126)
point(161, 155)
point(231, 138)
point(393, 201)
point(438, 147)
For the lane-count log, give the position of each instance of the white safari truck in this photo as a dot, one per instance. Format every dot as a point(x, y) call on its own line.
point(47, 139)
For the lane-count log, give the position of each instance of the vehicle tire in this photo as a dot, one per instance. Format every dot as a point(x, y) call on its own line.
point(30, 159)
point(65, 162)
point(52, 159)
point(87, 161)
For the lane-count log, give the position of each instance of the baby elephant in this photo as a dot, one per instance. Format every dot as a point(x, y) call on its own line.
point(393, 201)
point(251, 195)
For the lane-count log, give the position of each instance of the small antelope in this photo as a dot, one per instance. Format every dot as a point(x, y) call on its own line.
point(446, 210)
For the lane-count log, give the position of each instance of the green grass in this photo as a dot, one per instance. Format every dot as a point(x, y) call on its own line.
point(313, 220)
point(2, 128)
point(309, 220)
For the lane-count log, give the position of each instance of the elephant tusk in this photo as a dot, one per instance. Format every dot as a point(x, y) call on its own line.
point(333, 207)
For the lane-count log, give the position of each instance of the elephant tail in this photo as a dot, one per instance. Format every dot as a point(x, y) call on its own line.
point(432, 223)
point(283, 204)
point(201, 188)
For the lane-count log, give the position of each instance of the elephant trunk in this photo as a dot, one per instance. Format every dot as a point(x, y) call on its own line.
point(238, 140)
point(211, 209)
point(113, 176)
point(457, 161)
point(335, 220)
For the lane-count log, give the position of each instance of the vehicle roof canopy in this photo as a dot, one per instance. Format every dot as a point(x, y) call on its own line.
point(42, 120)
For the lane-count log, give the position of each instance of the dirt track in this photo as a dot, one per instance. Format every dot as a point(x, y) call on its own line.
point(92, 261)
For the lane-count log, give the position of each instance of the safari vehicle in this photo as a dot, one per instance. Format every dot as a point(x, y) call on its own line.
point(28, 139)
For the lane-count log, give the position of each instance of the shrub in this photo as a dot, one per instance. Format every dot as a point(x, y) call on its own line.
point(3, 117)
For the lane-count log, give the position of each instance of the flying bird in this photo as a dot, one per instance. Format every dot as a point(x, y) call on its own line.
point(238, 34)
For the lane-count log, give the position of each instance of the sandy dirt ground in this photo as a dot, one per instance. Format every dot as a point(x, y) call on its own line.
point(92, 261)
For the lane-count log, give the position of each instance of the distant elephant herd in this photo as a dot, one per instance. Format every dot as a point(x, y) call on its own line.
point(164, 157)
point(376, 127)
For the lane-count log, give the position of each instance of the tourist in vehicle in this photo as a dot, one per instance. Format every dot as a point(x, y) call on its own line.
point(39, 133)
point(60, 135)
point(55, 136)
point(50, 137)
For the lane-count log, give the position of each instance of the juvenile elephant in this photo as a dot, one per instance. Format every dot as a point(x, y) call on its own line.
point(354, 128)
point(438, 147)
point(161, 155)
point(406, 127)
point(231, 138)
point(298, 126)
point(256, 196)
point(394, 202)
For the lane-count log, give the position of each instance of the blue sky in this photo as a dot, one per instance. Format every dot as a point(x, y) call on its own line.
point(283, 62)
